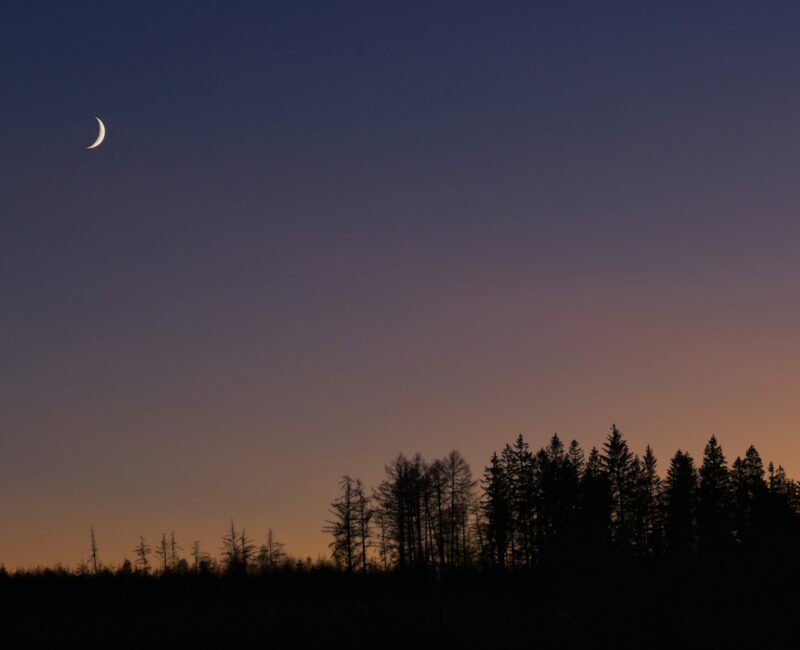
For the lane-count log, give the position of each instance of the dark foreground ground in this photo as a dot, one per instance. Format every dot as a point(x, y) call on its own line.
point(641, 606)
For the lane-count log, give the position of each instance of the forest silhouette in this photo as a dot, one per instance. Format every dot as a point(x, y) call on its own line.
point(558, 503)
point(550, 548)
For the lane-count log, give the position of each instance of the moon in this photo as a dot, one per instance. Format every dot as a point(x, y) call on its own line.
point(100, 136)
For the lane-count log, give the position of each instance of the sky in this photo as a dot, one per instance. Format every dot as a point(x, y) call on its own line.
point(319, 234)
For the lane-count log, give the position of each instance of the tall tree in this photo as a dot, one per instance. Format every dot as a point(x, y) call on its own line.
point(174, 548)
point(459, 497)
point(496, 511)
point(749, 489)
point(595, 504)
point(714, 514)
point(384, 545)
point(681, 497)
point(572, 472)
point(236, 548)
point(403, 499)
point(438, 517)
point(781, 525)
point(364, 514)
point(520, 468)
point(391, 514)
point(647, 525)
point(343, 527)
point(557, 497)
point(619, 469)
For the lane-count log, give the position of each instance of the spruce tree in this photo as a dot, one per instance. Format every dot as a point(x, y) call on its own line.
point(496, 511)
point(519, 464)
point(681, 499)
point(714, 516)
point(619, 469)
point(647, 527)
point(750, 490)
point(595, 504)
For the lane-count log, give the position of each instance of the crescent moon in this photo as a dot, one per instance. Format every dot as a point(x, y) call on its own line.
point(100, 136)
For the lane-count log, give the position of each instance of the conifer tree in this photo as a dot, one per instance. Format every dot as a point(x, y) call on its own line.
point(595, 504)
point(681, 496)
point(777, 481)
point(519, 464)
point(714, 515)
point(749, 489)
point(558, 497)
point(572, 472)
point(496, 511)
point(647, 505)
point(619, 469)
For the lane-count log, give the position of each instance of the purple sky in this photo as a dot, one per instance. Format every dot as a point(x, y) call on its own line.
point(321, 234)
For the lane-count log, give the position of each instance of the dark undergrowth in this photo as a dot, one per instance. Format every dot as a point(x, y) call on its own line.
point(639, 604)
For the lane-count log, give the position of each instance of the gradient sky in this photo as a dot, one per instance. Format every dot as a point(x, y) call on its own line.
point(320, 234)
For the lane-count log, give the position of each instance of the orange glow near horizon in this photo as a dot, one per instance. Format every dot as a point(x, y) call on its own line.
point(322, 235)
point(269, 451)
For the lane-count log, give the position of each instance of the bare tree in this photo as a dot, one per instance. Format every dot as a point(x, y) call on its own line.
point(162, 551)
point(83, 568)
point(174, 547)
point(246, 549)
point(230, 547)
point(383, 537)
point(460, 496)
point(403, 499)
point(364, 514)
point(271, 553)
point(344, 526)
point(200, 559)
point(93, 552)
point(237, 550)
point(142, 550)
point(424, 512)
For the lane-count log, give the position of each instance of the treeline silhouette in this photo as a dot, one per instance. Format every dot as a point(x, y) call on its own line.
point(239, 555)
point(554, 548)
point(557, 504)
point(528, 509)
